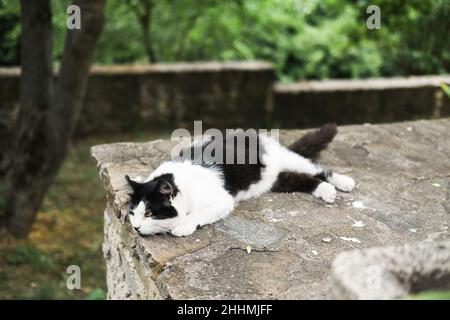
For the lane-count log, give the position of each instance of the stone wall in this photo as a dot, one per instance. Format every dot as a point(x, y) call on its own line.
point(313, 103)
point(402, 196)
point(168, 96)
point(234, 94)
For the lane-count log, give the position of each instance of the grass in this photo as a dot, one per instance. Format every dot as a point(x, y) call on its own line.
point(68, 231)
point(431, 295)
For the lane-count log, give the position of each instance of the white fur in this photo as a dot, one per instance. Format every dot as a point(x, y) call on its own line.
point(342, 182)
point(201, 200)
point(326, 192)
point(276, 159)
point(268, 175)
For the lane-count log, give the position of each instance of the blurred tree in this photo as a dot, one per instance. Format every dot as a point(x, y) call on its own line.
point(9, 33)
point(48, 108)
point(143, 9)
point(304, 39)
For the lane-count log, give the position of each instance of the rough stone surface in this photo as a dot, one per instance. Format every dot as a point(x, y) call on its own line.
point(392, 272)
point(402, 196)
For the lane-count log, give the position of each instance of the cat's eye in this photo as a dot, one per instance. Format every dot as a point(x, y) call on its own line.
point(131, 213)
point(148, 214)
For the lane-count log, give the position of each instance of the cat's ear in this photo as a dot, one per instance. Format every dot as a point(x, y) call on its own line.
point(136, 186)
point(165, 188)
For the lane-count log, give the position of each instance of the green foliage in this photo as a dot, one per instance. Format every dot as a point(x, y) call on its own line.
point(121, 40)
point(29, 254)
point(302, 38)
point(96, 294)
point(432, 295)
point(414, 38)
point(445, 88)
point(9, 32)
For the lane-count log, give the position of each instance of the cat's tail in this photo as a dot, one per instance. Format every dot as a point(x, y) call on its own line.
point(312, 143)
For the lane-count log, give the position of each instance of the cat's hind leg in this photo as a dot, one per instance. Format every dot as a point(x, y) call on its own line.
point(302, 182)
point(301, 156)
point(293, 162)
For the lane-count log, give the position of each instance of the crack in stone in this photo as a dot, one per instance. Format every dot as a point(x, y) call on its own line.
point(446, 203)
point(253, 250)
point(429, 177)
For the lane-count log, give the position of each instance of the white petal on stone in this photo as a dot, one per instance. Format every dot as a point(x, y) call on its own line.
point(326, 240)
point(358, 224)
point(350, 239)
point(358, 205)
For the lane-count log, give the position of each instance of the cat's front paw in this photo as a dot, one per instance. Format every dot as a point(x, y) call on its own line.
point(183, 230)
point(326, 192)
point(342, 182)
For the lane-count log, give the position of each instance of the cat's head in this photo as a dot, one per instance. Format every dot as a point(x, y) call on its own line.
point(151, 205)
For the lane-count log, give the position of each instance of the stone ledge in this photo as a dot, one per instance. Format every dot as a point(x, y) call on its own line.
point(402, 196)
point(124, 98)
point(371, 84)
point(208, 66)
point(392, 272)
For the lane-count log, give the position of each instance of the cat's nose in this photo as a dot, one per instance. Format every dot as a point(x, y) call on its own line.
point(136, 228)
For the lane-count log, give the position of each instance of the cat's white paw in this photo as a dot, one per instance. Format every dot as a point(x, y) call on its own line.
point(342, 182)
point(326, 192)
point(184, 230)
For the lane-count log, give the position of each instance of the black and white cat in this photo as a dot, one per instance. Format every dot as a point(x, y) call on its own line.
point(183, 194)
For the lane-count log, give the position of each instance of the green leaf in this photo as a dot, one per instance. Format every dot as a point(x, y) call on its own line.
point(96, 294)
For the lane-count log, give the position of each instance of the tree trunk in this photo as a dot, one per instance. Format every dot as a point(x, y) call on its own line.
point(143, 11)
point(27, 152)
point(48, 113)
point(146, 25)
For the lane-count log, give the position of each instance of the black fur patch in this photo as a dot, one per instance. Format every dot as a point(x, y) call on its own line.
point(237, 176)
point(295, 182)
point(156, 195)
point(312, 143)
point(324, 175)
